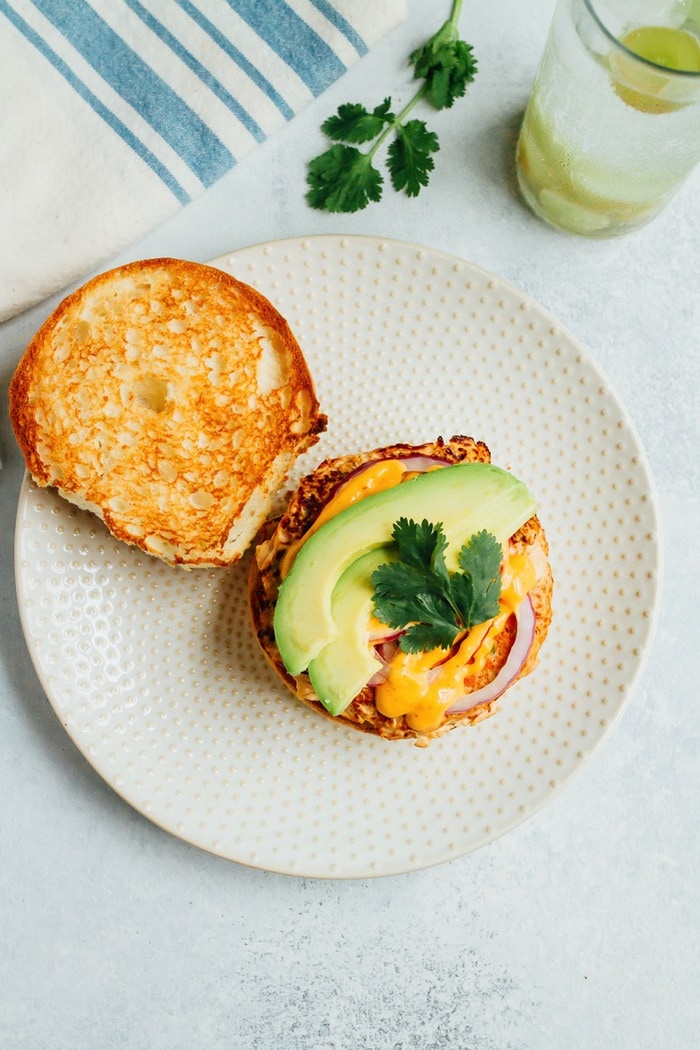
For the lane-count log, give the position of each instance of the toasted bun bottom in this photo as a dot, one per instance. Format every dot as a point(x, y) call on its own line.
point(171, 400)
point(304, 506)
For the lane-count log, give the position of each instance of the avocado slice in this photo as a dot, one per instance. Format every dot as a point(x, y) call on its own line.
point(344, 666)
point(466, 498)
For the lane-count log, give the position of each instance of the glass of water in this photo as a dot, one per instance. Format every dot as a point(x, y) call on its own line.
point(612, 128)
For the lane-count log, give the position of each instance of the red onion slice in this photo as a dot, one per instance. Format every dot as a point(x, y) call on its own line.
point(385, 651)
point(379, 677)
point(524, 637)
point(422, 463)
point(417, 463)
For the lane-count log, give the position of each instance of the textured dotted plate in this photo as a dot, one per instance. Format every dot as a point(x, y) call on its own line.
point(154, 671)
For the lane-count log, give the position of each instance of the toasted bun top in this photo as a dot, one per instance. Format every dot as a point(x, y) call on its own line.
point(170, 399)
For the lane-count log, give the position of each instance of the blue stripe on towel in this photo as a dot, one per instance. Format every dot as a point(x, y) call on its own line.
point(196, 66)
point(241, 61)
point(76, 83)
point(337, 20)
point(142, 88)
point(293, 39)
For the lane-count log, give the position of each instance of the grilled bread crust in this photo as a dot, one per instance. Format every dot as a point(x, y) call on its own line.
point(171, 400)
point(304, 506)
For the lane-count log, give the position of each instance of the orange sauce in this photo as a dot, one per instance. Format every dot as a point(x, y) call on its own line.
point(422, 688)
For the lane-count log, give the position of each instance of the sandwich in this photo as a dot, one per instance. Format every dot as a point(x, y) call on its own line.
point(404, 589)
point(171, 400)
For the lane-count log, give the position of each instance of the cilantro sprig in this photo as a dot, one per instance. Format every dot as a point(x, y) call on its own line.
point(416, 592)
point(344, 178)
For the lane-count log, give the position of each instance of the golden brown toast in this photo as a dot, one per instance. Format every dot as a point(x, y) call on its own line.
point(170, 399)
point(278, 535)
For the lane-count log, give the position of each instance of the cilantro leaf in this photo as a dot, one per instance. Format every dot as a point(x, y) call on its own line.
point(413, 596)
point(354, 123)
point(446, 64)
point(418, 595)
point(420, 545)
point(478, 587)
point(397, 588)
point(420, 637)
point(409, 157)
point(343, 179)
point(481, 557)
point(476, 604)
point(407, 593)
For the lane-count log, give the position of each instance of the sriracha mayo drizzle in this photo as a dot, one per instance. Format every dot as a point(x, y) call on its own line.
point(422, 688)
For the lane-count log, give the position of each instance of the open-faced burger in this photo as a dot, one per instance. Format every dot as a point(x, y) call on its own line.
point(405, 589)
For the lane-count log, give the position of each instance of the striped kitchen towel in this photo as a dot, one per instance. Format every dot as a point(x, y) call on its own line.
point(117, 112)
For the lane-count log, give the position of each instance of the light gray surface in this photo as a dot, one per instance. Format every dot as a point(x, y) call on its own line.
point(577, 930)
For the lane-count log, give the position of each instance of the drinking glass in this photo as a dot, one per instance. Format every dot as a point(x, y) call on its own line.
point(612, 128)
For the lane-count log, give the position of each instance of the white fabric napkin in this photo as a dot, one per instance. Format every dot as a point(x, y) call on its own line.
point(115, 113)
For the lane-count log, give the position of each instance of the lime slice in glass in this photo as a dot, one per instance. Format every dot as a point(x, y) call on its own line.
point(643, 87)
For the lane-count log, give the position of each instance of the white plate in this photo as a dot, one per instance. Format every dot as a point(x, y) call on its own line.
point(154, 671)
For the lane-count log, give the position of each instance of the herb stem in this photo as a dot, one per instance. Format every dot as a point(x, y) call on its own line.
point(456, 9)
point(398, 119)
